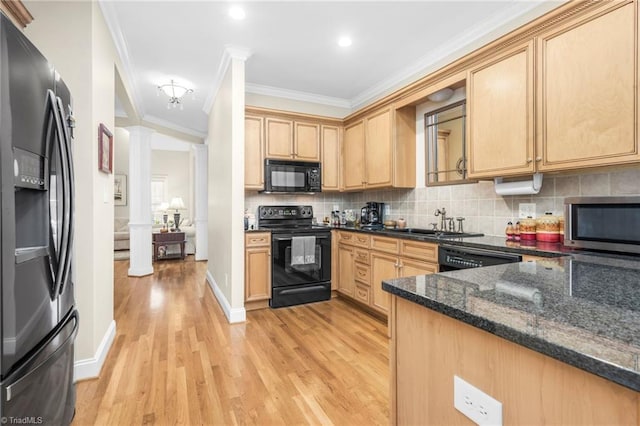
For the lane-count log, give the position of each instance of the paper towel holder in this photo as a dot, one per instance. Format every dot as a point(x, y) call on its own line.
point(525, 187)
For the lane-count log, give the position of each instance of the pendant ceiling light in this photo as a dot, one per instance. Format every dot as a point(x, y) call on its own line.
point(175, 92)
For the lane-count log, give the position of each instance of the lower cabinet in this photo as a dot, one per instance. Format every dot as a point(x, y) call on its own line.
point(257, 270)
point(364, 261)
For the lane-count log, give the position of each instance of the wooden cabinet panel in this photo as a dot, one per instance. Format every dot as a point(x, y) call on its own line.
point(253, 152)
point(385, 244)
point(353, 153)
point(306, 141)
point(362, 256)
point(419, 250)
point(362, 273)
point(412, 268)
point(354, 238)
point(383, 266)
point(346, 281)
point(330, 157)
point(378, 150)
point(500, 104)
point(257, 267)
point(587, 95)
point(362, 293)
point(279, 138)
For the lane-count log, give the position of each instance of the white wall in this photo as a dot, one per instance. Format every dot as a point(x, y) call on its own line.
point(74, 36)
point(284, 104)
point(226, 192)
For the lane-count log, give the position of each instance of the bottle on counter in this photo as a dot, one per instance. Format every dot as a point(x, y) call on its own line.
point(528, 229)
point(516, 231)
point(509, 231)
point(548, 228)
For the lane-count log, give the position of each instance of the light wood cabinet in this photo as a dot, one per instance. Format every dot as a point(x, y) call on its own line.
point(292, 140)
point(500, 107)
point(346, 279)
point(366, 260)
point(379, 150)
point(330, 157)
point(588, 93)
point(257, 270)
point(353, 154)
point(253, 152)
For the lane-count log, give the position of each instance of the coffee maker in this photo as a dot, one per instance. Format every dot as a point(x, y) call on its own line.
point(372, 215)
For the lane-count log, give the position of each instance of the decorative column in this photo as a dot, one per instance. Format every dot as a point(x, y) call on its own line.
point(140, 201)
point(201, 201)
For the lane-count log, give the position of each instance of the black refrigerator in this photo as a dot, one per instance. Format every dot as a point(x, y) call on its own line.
point(39, 319)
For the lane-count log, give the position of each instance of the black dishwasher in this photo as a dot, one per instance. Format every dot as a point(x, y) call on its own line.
point(452, 258)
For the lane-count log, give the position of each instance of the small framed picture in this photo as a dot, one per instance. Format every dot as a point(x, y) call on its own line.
point(105, 149)
point(120, 190)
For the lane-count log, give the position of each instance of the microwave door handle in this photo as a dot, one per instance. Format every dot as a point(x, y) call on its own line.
point(69, 196)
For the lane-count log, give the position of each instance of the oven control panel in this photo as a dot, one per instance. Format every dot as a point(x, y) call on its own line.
point(285, 212)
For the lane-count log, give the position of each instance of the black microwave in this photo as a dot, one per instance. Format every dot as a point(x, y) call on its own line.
point(603, 223)
point(284, 176)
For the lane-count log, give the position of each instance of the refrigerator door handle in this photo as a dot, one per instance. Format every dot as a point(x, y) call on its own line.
point(69, 195)
point(63, 249)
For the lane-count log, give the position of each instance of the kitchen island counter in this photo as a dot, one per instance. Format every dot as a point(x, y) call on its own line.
point(581, 310)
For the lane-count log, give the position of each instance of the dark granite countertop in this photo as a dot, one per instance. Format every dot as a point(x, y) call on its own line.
point(582, 310)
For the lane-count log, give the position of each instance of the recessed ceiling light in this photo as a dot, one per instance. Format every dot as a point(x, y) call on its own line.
point(344, 41)
point(237, 13)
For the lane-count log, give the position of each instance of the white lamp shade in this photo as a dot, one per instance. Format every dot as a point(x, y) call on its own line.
point(176, 203)
point(163, 206)
point(172, 90)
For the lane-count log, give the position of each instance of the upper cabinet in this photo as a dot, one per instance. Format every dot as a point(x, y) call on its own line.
point(292, 140)
point(291, 136)
point(253, 152)
point(330, 157)
point(585, 82)
point(587, 92)
point(379, 150)
point(500, 114)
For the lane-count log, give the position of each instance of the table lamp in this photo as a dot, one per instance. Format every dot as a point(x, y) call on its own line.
point(165, 217)
point(177, 204)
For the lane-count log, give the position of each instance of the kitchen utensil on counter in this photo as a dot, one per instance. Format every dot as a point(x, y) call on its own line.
point(528, 229)
point(390, 224)
point(401, 223)
point(548, 228)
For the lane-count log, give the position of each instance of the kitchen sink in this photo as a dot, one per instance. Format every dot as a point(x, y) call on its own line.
point(435, 233)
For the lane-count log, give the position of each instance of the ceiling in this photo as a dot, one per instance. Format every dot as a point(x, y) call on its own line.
point(293, 47)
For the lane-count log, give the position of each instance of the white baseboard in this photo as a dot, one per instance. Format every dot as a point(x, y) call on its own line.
point(233, 314)
point(90, 368)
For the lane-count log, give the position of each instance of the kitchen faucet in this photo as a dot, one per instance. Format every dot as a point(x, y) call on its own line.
point(443, 218)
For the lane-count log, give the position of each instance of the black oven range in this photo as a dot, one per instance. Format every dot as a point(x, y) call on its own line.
point(300, 255)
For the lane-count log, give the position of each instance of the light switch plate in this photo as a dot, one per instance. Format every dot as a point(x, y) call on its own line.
point(526, 210)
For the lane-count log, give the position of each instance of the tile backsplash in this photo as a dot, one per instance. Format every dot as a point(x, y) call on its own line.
point(483, 210)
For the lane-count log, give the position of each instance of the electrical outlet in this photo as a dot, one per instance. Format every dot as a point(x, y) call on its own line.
point(526, 210)
point(475, 404)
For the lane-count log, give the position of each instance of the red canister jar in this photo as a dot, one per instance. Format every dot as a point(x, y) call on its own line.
point(548, 228)
point(528, 229)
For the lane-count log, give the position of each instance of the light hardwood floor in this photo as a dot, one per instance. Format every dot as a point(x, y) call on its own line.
point(176, 360)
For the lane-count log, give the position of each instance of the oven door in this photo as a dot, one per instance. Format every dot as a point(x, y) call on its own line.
point(285, 272)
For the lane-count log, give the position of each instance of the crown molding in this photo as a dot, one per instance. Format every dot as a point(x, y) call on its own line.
point(297, 95)
point(110, 17)
point(504, 21)
point(230, 52)
point(172, 126)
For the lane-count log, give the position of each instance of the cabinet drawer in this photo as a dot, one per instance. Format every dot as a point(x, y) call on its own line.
point(385, 244)
point(362, 293)
point(254, 239)
point(354, 239)
point(362, 256)
point(419, 250)
point(362, 273)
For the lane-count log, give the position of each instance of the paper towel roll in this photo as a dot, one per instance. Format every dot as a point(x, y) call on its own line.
point(519, 291)
point(524, 187)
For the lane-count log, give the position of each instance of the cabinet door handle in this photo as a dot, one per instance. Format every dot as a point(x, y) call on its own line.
point(538, 158)
point(529, 160)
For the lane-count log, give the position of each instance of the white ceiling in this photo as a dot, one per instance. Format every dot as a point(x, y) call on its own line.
point(293, 45)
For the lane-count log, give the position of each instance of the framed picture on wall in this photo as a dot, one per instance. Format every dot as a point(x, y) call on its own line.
point(120, 190)
point(105, 149)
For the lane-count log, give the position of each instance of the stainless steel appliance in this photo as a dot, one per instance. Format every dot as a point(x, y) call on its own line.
point(603, 223)
point(38, 321)
point(452, 258)
point(284, 176)
point(372, 215)
point(300, 255)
